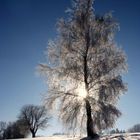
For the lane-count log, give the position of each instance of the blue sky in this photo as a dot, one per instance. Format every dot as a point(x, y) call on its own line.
point(25, 28)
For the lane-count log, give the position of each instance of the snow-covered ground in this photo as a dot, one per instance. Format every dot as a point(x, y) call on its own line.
point(50, 138)
point(126, 136)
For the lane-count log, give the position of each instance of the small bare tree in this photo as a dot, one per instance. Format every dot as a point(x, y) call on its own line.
point(34, 118)
point(84, 68)
point(3, 126)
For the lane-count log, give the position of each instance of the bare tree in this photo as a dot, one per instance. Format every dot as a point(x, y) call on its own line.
point(14, 130)
point(34, 118)
point(3, 126)
point(23, 129)
point(84, 68)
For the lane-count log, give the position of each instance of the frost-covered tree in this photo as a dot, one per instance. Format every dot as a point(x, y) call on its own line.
point(84, 69)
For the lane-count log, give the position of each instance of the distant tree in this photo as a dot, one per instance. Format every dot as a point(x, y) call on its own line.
point(117, 130)
point(8, 131)
point(84, 68)
point(135, 128)
point(13, 131)
point(24, 130)
point(112, 131)
point(33, 118)
point(59, 133)
point(2, 129)
point(123, 131)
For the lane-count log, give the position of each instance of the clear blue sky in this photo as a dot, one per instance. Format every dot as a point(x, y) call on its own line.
point(25, 28)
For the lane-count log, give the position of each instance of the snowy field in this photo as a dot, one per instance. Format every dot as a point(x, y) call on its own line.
point(127, 136)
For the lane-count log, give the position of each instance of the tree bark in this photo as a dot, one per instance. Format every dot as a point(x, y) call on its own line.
point(90, 130)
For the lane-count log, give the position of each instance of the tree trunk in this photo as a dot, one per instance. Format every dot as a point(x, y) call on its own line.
point(33, 133)
point(90, 130)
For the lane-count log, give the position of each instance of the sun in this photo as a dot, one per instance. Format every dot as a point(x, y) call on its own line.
point(81, 91)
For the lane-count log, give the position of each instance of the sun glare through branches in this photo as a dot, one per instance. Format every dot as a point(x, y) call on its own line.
point(81, 91)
